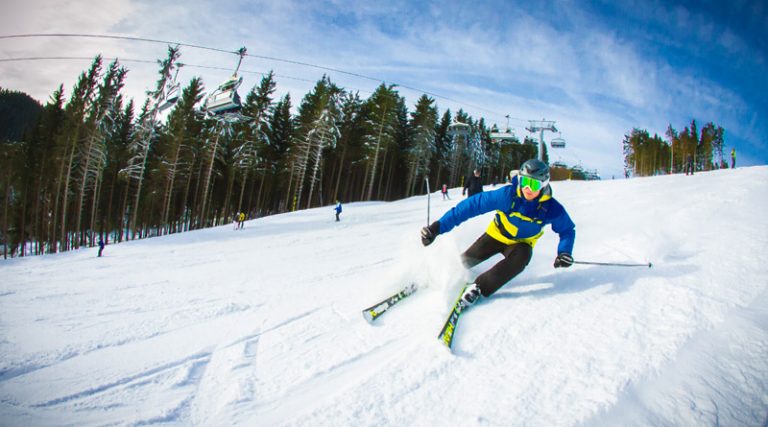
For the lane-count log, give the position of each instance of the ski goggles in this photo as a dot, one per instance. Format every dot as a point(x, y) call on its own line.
point(532, 183)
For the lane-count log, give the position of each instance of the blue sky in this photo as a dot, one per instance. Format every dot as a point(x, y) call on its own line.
point(597, 68)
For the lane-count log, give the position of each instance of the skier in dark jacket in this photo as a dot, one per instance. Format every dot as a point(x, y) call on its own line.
point(689, 164)
point(522, 210)
point(101, 246)
point(473, 185)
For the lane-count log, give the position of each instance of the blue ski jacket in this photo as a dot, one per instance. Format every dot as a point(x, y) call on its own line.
point(517, 220)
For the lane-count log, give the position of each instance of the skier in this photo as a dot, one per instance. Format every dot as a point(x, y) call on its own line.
point(338, 210)
point(473, 185)
point(101, 247)
point(733, 157)
point(522, 210)
point(689, 164)
point(241, 220)
point(445, 192)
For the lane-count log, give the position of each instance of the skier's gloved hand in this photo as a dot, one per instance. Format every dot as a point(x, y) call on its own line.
point(563, 260)
point(428, 234)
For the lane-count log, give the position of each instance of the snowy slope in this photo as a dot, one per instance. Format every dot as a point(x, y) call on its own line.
point(262, 326)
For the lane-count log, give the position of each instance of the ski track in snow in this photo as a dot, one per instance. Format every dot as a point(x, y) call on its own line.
point(262, 326)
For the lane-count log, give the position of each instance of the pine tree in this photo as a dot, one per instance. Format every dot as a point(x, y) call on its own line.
point(256, 136)
point(318, 114)
point(78, 105)
point(423, 123)
point(348, 146)
point(175, 153)
point(93, 157)
point(280, 136)
point(118, 156)
point(443, 147)
point(146, 132)
point(42, 163)
point(381, 128)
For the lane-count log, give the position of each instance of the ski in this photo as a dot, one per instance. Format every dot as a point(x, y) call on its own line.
point(446, 334)
point(373, 312)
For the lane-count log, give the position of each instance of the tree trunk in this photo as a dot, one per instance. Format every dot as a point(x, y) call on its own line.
point(6, 202)
point(230, 190)
point(169, 186)
point(81, 193)
point(94, 206)
point(207, 181)
point(243, 184)
point(376, 157)
point(318, 157)
point(123, 210)
point(341, 170)
point(65, 196)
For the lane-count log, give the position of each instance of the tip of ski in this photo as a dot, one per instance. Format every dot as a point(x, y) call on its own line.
point(373, 312)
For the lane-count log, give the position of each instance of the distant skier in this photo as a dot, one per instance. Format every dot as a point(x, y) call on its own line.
point(445, 192)
point(689, 164)
point(733, 157)
point(338, 210)
point(240, 220)
point(473, 185)
point(101, 246)
point(522, 210)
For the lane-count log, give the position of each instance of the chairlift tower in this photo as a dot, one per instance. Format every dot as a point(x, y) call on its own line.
point(459, 132)
point(541, 126)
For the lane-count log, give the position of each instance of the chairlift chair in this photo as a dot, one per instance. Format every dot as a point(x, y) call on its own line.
point(171, 97)
point(225, 98)
point(172, 91)
point(557, 142)
point(505, 137)
point(458, 128)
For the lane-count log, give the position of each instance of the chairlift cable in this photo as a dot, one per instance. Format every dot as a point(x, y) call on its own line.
point(144, 61)
point(241, 53)
point(108, 36)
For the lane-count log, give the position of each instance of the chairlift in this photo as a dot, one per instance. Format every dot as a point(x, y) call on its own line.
point(225, 98)
point(592, 175)
point(172, 92)
point(458, 128)
point(506, 137)
point(557, 142)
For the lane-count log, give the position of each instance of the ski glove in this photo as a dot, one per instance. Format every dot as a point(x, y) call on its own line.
point(563, 260)
point(429, 234)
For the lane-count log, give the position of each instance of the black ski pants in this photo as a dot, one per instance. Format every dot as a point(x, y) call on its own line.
point(516, 258)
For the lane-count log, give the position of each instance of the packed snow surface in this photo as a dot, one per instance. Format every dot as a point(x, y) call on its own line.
point(263, 326)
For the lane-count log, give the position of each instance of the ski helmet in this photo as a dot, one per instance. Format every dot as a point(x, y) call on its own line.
point(536, 169)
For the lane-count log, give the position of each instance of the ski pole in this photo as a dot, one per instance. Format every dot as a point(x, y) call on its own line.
point(426, 182)
point(614, 264)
